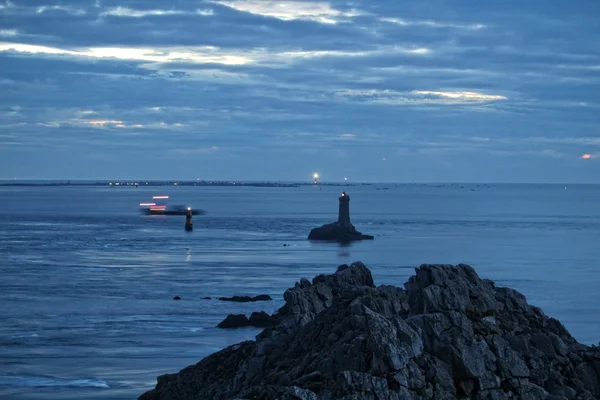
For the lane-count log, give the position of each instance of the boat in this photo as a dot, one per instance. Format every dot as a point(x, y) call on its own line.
point(158, 206)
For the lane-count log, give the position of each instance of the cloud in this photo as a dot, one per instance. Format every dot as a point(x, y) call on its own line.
point(415, 97)
point(205, 54)
point(461, 96)
point(103, 123)
point(432, 24)
point(80, 119)
point(200, 55)
point(8, 32)
point(321, 12)
point(7, 4)
point(206, 12)
point(126, 12)
point(131, 13)
point(68, 10)
point(307, 54)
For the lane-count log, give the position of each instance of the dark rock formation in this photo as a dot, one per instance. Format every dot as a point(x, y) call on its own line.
point(447, 335)
point(338, 233)
point(341, 231)
point(257, 319)
point(262, 320)
point(234, 321)
point(176, 298)
point(246, 299)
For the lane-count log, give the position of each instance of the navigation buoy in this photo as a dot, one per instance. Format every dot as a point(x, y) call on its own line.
point(189, 226)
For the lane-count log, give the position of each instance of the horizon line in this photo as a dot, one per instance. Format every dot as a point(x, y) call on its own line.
point(305, 182)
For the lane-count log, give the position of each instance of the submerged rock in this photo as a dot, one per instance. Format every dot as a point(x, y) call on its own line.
point(448, 334)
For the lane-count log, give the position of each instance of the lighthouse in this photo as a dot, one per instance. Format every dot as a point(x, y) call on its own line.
point(344, 210)
point(341, 231)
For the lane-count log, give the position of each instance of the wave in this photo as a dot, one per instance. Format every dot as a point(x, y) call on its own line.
point(48, 381)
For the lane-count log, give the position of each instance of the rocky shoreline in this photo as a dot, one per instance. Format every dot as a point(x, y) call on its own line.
point(447, 335)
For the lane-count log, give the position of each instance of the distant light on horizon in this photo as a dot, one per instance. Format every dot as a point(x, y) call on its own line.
point(587, 156)
point(315, 175)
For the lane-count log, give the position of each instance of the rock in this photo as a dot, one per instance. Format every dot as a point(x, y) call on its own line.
point(262, 320)
point(176, 298)
point(234, 321)
point(257, 319)
point(338, 233)
point(206, 298)
point(247, 299)
point(447, 335)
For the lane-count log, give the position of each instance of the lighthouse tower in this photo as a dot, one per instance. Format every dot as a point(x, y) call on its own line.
point(344, 211)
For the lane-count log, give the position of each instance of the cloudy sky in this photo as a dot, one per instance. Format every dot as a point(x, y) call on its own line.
point(494, 91)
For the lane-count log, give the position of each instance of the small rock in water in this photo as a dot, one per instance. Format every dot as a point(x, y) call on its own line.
point(206, 298)
point(246, 299)
point(176, 298)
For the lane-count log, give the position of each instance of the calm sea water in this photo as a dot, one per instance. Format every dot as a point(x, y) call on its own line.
point(87, 281)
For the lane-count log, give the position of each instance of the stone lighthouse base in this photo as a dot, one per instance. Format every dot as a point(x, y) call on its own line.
point(337, 232)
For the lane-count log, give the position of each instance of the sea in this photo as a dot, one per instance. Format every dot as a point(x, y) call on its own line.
point(87, 281)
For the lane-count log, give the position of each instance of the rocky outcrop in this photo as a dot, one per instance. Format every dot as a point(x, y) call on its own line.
point(448, 334)
point(337, 232)
point(257, 319)
point(247, 299)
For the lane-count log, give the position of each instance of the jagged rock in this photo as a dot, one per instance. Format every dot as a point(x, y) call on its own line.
point(447, 335)
point(247, 299)
point(262, 320)
point(257, 319)
point(234, 321)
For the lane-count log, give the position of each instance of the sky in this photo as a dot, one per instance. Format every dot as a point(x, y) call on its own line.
point(375, 91)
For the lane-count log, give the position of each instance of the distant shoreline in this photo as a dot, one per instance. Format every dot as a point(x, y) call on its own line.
point(288, 184)
point(118, 184)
